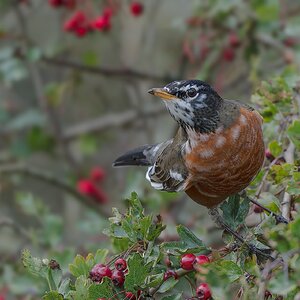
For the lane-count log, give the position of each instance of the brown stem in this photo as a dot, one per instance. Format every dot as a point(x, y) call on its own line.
point(50, 179)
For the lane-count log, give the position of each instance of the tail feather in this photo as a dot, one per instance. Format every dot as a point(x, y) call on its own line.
point(141, 156)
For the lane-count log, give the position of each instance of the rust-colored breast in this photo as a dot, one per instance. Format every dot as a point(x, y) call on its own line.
point(225, 162)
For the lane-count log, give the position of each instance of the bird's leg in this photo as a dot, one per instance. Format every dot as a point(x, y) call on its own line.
point(218, 219)
point(278, 218)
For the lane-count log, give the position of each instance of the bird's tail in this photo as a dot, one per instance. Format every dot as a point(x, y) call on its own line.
point(141, 156)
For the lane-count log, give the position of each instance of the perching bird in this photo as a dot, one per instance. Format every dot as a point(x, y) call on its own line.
point(216, 152)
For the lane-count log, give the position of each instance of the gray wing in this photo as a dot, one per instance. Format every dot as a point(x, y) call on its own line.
point(169, 173)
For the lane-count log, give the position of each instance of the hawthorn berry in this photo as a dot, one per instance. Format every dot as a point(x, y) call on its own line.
point(269, 155)
point(102, 23)
point(228, 54)
point(234, 40)
point(290, 42)
point(117, 278)
point(203, 291)
point(120, 264)
point(187, 261)
point(201, 259)
point(99, 271)
point(136, 8)
point(257, 209)
point(170, 273)
point(78, 19)
point(56, 3)
point(88, 188)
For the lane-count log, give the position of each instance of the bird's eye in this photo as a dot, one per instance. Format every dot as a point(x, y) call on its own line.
point(192, 93)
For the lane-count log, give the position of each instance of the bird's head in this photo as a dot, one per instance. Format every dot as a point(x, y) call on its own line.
point(192, 103)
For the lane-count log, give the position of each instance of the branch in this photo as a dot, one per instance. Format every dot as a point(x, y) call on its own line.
point(105, 71)
point(50, 179)
point(7, 222)
point(110, 120)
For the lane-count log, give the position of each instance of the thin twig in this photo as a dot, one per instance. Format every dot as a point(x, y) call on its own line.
point(105, 71)
point(53, 180)
point(109, 121)
point(7, 222)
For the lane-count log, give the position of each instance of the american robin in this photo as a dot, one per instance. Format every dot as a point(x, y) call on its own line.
point(216, 152)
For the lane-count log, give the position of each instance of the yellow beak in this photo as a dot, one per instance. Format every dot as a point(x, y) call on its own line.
point(159, 92)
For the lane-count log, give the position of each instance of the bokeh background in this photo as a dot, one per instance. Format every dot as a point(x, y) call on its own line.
point(74, 76)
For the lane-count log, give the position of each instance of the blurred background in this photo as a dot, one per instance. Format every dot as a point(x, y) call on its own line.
point(74, 76)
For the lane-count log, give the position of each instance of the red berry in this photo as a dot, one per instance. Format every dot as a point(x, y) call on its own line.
point(97, 174)
point(290, 42)
point(136, 8)
point(203, 291)
point(228, 54)
point(187, 261)
point(99, 271)
point(120, 264)
point(117, 278)
point(2, 297)
point(77, 20)
point(170, 273)
point(257, 209)
point(88, 188)
point(234, 40)
point(269, 155)
point(102, 23)
point(201, 259)
point(81, 31)
point(129, 295)
point(56, 3)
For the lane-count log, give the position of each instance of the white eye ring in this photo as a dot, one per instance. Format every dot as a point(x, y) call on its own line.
point(192, 93)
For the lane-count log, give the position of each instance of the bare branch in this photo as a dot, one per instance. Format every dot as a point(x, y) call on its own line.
point(53, 180)
point(110, 121)
point(105, 71)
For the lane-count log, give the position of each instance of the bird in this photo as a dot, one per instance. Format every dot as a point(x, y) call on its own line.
point(217, 151)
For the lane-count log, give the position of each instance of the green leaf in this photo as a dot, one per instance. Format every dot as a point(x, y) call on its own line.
point(82, 286)
point(230, 269)
point(104, 290)
point(100, 256)
point(35, 266)
point(137, 273)
point(275, 148)
point(53, 295)
point(79, 267)
point(167, 285)
point(54, 278)
point(234, 211)
point(189, 238)
point(293, 133)
point(64, 287)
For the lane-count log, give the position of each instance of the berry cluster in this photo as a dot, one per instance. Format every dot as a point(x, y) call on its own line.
point(80, 23)
point(192, 262)
point(117, 275)
point(90, 186)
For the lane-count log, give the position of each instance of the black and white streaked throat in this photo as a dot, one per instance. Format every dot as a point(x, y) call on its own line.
point(192, 103)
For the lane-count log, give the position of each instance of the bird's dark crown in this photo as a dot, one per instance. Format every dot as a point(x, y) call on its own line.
point(197, 106)
point(180, 88)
